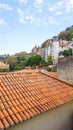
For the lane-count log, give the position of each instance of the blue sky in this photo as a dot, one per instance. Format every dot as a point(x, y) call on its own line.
point(26, 23)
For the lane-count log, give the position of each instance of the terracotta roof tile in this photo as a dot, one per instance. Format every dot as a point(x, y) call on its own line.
point(5, 122)
point(11, 122)
point(1, 125)
point(25, 94)
point(15, 119)
point(1, 115)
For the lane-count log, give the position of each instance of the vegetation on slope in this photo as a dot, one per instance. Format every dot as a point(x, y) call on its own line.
point(67, 34)
point(17, 61)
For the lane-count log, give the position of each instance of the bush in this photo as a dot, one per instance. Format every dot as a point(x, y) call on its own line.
point(68, 52)
point(4, 70)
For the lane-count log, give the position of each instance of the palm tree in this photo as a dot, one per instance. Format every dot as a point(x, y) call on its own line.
point(50, 59)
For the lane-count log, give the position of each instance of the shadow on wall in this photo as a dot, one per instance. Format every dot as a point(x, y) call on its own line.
point(72, 122)
point(65, 69)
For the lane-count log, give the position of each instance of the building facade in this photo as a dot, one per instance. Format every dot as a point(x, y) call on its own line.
point(36, 50)
point(52, 47)
point(46, 48)
point(55, 49)
point(65, 45)
point(3, 65)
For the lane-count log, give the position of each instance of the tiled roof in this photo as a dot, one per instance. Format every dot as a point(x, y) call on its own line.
point(64, 43)
point(26, 94)
point(53, 74)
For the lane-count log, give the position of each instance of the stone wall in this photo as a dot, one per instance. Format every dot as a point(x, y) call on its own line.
point(65, 69)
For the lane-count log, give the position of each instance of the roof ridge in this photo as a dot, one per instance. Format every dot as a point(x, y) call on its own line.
point(56, 78)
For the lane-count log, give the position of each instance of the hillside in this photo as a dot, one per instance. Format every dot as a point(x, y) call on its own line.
point(67, 34)
point(3, 57)
point(17, 61)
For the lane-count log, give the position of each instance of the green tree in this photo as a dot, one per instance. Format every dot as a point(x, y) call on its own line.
point(70, 51)
point(34, 60)
point(66, 53)
point(67, 34)
point(70, 35)
point(17, 61)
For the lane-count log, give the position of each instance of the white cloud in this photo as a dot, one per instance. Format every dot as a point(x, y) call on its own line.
point(59, 13)
point(20, 12)
point(5, 6)
point(69, 5)
point(58, 6)
point(39, 2)
point(21, 15)
point(2, 22)
point(53, 8)
point(60, 3)
point(24, 18)
point(23, 1)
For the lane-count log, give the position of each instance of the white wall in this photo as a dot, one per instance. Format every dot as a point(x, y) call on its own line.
point(59, 118)
point(55, 50)
point(65, 69)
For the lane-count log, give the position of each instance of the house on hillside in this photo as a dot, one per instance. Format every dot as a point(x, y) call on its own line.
point(36, 50)
point(32, 100)
point(51, 47)
point(46, 48)
point(3, 65)
point(65, 45)
point(55, 49)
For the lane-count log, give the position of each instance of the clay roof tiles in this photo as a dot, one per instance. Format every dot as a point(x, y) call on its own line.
point(26, 94)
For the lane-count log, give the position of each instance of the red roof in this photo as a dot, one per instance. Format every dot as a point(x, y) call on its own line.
point(26, 94)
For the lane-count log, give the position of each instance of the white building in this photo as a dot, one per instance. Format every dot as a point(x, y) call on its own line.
point(64, 45)
point(50, 47)
point(46, 49)
point(55, 49)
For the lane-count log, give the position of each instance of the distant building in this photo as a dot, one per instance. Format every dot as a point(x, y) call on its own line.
point(50, 47)
point(55, 48)
point(46, 48)
point(4, 56)
point(3, 65)
point(36, 50)
point(64, 45)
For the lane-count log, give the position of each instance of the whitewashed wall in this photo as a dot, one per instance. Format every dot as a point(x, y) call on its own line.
point(59, 118)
